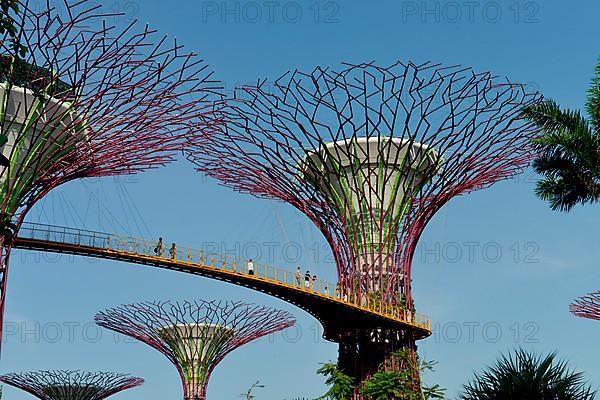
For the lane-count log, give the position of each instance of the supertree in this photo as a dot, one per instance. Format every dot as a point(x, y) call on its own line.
point(195, 336)
point(369, 154)
point(71, 385)
point(80, 98)
point(587, 306)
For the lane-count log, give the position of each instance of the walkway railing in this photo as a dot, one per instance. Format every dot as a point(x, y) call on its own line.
point(192, 258)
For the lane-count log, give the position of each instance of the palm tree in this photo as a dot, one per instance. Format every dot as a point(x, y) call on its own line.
point(569, 150)
point(525, 376)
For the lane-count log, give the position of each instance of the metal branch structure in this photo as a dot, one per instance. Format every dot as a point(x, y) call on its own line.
point(587, 306)
point(71, 385)
point(89, 100)
point(369, 154)
point(195, 336)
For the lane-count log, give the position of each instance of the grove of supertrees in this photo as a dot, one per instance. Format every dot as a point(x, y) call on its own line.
point(71, 385)
point(195, 336)
point(80, 98)
point(587, 306)
point(369, 154)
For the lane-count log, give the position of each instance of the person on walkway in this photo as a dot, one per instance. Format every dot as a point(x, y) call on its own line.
point(298, 277)
point(158, 250)
point(307, 280)
point(250, 266)
point(173, 252)
point(312, 282)
point(337, 290)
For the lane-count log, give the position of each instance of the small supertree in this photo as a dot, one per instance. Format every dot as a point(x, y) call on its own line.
point(71, 385)
point(195, 336)
point(87, 100)
point(370, 154)
point(587, 306)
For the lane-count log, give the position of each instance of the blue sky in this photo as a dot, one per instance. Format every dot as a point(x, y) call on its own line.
point(495, 269)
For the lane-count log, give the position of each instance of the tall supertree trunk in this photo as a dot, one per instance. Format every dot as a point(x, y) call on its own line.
point(90, 100)
point(369, 154)
point(362, 353)
point(7, 236)
point(196, 392)
point(5, 247)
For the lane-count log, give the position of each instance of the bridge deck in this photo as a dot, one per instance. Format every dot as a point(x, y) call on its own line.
point(321, 300)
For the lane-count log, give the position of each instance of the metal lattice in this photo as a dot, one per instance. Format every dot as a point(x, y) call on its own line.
point(195, 336)
point(71, 385)
point(88, 100)
point(587, 306)
point(370, 154)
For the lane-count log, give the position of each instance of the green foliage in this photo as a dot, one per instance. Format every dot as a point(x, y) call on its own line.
point(9, 31)
point(569, 156)
point(592, 105)
point(8, 27)
point(341, 386)
point(400, 383)
point(434, 391)
point(7, 229)
point(387, 385)
point(41, 81)
point(525, 376)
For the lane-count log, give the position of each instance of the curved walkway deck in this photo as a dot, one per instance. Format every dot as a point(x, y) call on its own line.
point(335, 313)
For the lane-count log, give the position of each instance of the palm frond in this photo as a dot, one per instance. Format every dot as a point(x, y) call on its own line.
point(592, 104)
point(524, 376)
point(565, 190)
point(550, 118)
point(568, 155)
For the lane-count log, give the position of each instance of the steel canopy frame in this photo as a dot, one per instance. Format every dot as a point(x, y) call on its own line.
point(195, 336)
point(71, 385)
point(348, 148)
point(587, 306)
point(88, 100)
point(472, 120)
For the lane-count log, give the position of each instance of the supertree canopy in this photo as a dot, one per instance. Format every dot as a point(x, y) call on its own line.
point(87, 99)
point(587, 306)
point(370, 154)
point(71, 385)
point(195, 336)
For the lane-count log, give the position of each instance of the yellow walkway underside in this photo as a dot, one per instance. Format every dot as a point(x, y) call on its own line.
point(266, 278)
